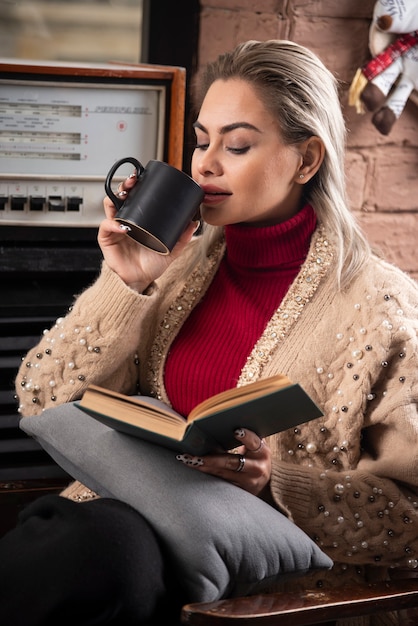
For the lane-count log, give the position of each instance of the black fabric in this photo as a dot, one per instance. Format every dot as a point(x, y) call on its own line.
point(82, 564)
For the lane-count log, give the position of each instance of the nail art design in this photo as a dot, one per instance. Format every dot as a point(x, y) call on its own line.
point(240, 432)
point(189, 460)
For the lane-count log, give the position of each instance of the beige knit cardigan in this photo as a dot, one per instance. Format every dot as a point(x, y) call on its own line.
point(350, 479)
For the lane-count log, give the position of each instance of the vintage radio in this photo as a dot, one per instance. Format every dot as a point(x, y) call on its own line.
point(63, 126)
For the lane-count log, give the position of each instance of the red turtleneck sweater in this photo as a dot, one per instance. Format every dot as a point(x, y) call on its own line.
point(258, 267)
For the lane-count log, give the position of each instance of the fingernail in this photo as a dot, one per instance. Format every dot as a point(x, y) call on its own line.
point(133, 175)
point(125, 227)
point(240, 432)
point(189, 460)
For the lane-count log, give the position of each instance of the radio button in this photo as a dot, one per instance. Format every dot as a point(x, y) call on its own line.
point(73, 203)
point(17, 203)
point(36, 203)
point(56, 203)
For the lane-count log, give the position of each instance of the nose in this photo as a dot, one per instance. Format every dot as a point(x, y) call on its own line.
point(207, 162)
point(384, 22)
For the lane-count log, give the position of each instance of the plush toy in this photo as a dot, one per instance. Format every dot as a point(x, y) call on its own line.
point(385, 83)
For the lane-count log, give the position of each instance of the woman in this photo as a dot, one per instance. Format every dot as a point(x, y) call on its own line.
point(281, 280)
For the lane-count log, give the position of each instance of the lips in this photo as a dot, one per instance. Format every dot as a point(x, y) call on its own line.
point(214, 194)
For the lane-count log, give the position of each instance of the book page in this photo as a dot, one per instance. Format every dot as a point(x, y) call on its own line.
point(238, 395)
point(98, 398)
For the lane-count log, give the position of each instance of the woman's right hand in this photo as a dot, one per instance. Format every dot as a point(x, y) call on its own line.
point(136, 265)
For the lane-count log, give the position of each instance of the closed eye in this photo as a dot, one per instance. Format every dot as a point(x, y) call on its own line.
point(205, 146)
point(239, 150)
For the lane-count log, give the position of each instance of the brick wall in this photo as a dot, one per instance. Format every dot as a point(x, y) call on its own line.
point(382, 172)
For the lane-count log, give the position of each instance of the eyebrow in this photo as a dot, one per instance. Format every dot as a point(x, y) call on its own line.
point(229, 127)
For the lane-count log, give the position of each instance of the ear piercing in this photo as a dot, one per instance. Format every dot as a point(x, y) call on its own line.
point(301, 175)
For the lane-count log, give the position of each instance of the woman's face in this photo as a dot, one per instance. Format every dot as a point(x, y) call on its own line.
point(240, 160)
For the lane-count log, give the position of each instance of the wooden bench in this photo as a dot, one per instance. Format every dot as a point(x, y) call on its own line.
point(309, 607)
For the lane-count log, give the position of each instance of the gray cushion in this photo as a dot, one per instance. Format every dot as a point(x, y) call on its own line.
point(224, 541)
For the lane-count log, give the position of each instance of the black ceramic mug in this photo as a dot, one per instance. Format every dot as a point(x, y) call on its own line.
point(160, 206)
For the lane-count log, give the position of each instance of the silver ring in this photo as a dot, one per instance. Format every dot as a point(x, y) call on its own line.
point(241, 463)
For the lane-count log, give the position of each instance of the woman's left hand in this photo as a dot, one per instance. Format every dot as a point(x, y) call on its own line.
point(248, 466)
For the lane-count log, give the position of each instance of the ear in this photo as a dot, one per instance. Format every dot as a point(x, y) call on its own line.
point(312, 152)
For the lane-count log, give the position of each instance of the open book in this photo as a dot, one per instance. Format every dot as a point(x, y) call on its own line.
point(267, 406)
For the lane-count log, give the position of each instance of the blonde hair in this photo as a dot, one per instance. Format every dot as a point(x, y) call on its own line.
point(302, 94)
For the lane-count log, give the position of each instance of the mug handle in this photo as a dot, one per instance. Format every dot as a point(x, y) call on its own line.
point(139, 169)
